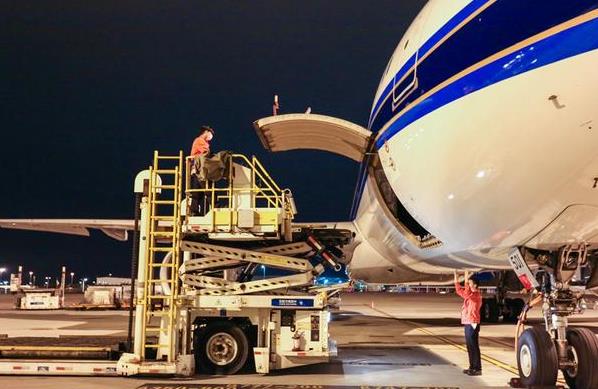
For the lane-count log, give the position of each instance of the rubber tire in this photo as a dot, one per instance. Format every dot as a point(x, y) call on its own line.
point(585, 343)
point(202, 362)
point(544, 358)
point(489, 311)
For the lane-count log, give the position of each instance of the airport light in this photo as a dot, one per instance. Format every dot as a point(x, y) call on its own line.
point(72, 275)
point(83, 285)
point(47, 281)
point(2, 270)
point(264, 272)
point(30, 276)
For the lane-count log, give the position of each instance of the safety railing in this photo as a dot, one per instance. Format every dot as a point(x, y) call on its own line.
point(263, 191)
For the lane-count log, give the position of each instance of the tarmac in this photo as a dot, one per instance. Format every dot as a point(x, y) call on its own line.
point(384, 339)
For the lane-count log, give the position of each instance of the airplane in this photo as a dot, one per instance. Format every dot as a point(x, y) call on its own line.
point(479, 153)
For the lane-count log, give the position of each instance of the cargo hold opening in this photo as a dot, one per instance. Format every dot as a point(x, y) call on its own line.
point(423, 237)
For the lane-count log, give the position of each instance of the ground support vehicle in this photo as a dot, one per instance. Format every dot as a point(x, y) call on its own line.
point(35, 299)
point(199, 305)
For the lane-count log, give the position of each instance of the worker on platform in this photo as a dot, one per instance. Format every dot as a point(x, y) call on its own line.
point(201, 144)
point(470, 318)
point(200, 147)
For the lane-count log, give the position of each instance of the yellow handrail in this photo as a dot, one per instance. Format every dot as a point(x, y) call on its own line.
point(267, 188)
point(261, 172)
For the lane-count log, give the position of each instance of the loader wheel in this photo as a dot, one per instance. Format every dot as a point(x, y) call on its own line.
point(221, 348)
point(489, 311)
point(583, 350)
point(537, 358)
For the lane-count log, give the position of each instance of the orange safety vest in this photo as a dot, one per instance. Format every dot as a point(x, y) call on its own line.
point(199, 147)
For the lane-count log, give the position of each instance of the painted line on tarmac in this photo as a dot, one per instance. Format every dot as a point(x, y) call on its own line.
point(504, 344)
point(280, 386)
point(487, 358)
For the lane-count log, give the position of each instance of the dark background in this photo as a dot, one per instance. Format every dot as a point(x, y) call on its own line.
point(89, 89)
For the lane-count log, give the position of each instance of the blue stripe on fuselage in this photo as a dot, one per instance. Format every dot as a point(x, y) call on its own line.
point(576, 40)
point(423, 50)
point(498, 27)
point(450, 58)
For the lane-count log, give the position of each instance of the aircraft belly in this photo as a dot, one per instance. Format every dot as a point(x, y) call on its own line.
point(385, 255)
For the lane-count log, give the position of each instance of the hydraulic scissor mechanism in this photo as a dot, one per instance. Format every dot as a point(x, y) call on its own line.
point(558, 287)
point(209, 274)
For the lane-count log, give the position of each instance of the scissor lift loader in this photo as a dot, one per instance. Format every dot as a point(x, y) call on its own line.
point(199, 304)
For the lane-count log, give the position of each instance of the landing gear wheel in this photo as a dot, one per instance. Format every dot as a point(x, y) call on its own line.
point(489, 311)
point(584, 351)
point(537, 359)
point(221, 348)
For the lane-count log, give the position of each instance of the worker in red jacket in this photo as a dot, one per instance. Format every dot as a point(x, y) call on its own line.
point(201, 146)
point(470, 318)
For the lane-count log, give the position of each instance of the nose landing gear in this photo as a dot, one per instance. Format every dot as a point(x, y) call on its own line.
point(541, 352)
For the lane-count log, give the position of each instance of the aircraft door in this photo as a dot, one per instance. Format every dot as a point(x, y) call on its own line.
point(405, 84)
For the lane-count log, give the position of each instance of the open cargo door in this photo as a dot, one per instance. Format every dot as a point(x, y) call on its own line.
point(306, 131)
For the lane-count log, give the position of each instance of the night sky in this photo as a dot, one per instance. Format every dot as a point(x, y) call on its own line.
point(89, 89)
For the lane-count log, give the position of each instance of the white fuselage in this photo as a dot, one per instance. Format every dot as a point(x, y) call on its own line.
point(486, 155)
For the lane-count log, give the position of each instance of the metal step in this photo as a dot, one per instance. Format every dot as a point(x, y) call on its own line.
point(158, 313)
point(162, 249)
point(158, 296)
point(156, 329)
point(163, 233)
point(161, 217)
point(165, 202)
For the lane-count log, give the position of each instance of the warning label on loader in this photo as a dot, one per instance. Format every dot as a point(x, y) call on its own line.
point(292, 303)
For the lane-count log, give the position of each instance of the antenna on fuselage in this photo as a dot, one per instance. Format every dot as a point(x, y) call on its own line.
point(275, 106)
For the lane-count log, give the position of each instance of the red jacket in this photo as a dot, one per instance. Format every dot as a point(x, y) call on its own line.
point(199, 147)
point(472, 302)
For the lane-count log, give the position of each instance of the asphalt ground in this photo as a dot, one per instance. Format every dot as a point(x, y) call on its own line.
point(384, 339)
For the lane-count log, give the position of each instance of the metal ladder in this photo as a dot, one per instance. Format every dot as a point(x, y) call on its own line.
point(164, 199)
